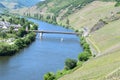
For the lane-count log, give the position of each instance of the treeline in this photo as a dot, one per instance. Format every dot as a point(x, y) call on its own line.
point(76, 5)
point(9, 50)
point(22, 38)
point(72, 64)
point(48, 18)
point(118, 3)
point(62, 5)
point(23, 22)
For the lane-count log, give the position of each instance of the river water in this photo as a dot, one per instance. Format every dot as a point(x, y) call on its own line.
point(42, 56)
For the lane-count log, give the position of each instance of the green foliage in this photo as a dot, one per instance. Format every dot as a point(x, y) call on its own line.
point(20, 43)
point(22, 37)
point(8, 50)
point(117, 4)
point(63, 4)
point(117, 0)
point(67, 22)
point(11, 30)
point(49, 76)
point(82, 41)
point(84, 56)
point(3, 19)
point(21, 32)
point(3, 34)
point(70, 64)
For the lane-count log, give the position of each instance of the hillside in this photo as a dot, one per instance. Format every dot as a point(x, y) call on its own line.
point(107, 40)
point(79, 12)
point(104, 41)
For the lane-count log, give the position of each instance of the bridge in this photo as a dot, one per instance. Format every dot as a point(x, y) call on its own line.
point(51, 32)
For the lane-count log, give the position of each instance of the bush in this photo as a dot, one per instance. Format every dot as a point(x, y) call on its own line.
point(8, 50)
point(21, 32)
point(86, 46)
point(84, 56)
point(49, 76)
point(20, 43)
point(117, 4)
point(70, 63)
point(3, 35)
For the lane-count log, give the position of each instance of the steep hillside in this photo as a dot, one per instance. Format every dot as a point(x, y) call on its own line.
point(105, 67)
point(85, 13)
point(104, 40)
point(49, 7)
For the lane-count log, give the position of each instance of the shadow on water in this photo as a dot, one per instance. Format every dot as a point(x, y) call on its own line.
point(4, 63)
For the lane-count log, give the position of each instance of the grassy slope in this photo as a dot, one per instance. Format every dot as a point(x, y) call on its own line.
point(108, 37)
point(96, 69)
point(90, 14)
point(108, 40)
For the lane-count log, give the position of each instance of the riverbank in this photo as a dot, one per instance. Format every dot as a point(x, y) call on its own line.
point(71, 64)
point(17, 36)
point(41, 54)
point(105, 40)
point(82, 57)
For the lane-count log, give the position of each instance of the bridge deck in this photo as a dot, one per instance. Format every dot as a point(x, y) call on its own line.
point(53, 32)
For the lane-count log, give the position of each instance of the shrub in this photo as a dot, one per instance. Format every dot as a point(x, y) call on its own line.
point(20, 43)
point(84, 56)
point(8, 50)
point(117, 4)
point(70, 63)
point(86, 46)
point(49, 76)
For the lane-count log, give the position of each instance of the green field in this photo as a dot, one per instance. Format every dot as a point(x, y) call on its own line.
point(96, 69)
point(107, 38)
point(90, 14)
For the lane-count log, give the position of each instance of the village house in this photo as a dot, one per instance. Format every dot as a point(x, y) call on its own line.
point(7, 25)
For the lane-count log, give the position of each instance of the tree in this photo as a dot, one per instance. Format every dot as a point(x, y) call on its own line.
point(11, 20)
point(31, 36)
point(48, 17)
point(86, 46)
point(67, 22)
point(22, 21)
point(84, 56)
point(11, 29)
point(70, 63)
point(49, 76)
point(117, 0)
point(21, 32)
point(118, 3)
point(20, 43)
point(3, 34)
point(3, 19)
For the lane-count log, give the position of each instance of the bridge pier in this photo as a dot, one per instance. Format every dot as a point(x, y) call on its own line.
point(41, 35)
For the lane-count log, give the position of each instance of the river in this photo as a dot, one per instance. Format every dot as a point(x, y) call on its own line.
point(42, 56)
